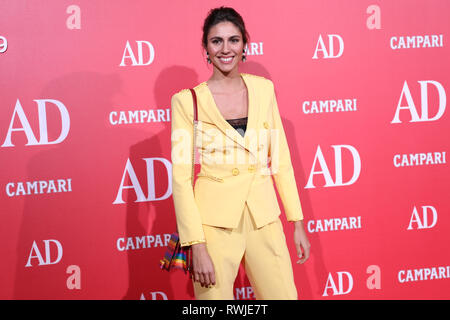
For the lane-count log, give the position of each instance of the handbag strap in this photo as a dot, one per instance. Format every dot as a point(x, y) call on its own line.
point(194, 97)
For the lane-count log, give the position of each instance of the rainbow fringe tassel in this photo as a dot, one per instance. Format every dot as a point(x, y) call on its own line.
point(176, 256)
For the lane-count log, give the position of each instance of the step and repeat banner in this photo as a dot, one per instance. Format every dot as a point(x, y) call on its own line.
point(85, 181)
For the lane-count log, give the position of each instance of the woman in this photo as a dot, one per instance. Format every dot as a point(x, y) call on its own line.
point(233, 213)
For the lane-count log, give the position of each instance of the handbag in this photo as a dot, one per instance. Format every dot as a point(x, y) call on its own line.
point(176, 256)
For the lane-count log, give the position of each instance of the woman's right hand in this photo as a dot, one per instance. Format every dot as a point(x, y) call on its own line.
point(203, 266)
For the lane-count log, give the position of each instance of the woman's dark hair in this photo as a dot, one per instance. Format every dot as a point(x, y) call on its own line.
point(222, 14)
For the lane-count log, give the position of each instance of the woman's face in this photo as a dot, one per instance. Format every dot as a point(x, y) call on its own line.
point(225, 46)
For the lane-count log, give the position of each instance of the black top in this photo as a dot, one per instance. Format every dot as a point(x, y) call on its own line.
point(240, 124)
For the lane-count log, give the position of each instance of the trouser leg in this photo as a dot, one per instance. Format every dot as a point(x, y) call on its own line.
point(226, 249)
point(268, 263)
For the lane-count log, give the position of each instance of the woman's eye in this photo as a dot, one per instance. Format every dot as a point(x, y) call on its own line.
point(216, 41)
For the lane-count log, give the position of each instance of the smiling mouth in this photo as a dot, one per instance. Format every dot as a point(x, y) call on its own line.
point(226, 59)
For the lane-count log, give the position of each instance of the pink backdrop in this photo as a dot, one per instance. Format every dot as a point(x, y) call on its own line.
point(86, 206)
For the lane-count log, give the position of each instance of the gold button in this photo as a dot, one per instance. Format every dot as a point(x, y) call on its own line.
point(251, 168)
point(225, 151)
point(235, 171)
point(266, 125)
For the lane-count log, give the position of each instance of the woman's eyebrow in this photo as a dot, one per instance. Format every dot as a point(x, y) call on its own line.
point(218, 37)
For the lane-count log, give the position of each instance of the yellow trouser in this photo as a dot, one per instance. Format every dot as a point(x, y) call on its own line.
point(266, 259)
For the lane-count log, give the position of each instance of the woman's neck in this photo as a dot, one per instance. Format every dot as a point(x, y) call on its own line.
point(227, 82)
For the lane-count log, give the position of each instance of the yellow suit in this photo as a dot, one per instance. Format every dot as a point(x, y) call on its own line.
point(235, 171)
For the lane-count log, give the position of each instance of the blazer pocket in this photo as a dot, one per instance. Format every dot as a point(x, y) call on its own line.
point(200, 174)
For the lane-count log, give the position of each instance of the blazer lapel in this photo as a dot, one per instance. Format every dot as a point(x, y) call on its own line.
point(212, 114)
point(253, 115)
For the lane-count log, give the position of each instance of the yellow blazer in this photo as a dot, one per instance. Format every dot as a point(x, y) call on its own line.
point(234, 169)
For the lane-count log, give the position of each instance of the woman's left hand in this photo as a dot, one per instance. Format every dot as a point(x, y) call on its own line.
point(301, 241)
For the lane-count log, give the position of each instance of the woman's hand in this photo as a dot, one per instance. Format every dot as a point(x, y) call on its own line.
point(301, 242)
point(203, 267)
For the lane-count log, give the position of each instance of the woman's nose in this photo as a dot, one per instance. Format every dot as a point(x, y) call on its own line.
point(225, 47)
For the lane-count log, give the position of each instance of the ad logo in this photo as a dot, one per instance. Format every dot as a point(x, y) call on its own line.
point(423, 102)
point(129, 55)
point(42, 116)
point(330, 52)
point(325, 172)
point(35, 253)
